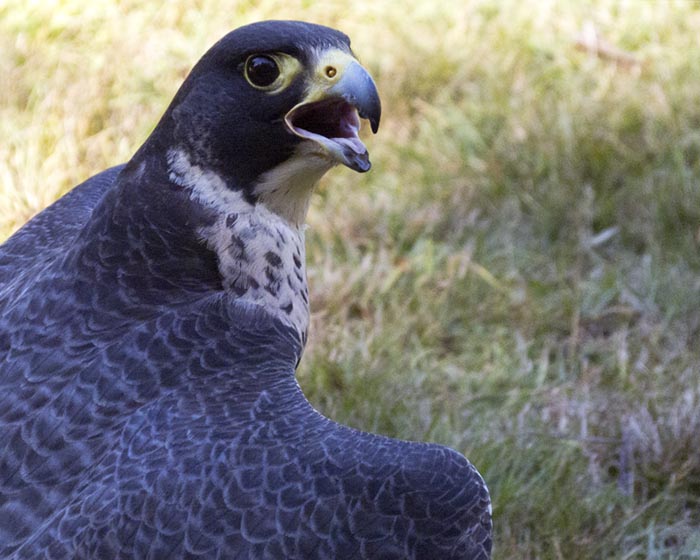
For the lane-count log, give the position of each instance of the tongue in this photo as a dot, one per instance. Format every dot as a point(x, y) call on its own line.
point(354, 151)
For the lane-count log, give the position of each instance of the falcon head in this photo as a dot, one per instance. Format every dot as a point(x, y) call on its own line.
point(266, 112)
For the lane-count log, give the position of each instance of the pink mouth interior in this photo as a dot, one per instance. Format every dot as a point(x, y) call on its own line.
point(334, 119)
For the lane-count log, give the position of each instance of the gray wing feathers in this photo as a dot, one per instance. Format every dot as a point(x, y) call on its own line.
point(224, 463)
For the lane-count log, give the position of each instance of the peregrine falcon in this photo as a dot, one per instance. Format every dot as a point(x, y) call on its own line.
point(151, 322)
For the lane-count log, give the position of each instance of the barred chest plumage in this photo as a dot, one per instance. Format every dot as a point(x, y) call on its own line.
point(261, 259)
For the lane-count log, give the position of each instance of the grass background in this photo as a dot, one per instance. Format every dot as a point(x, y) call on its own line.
point(516, 278)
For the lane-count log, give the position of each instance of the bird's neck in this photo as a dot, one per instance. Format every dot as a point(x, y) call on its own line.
point(261, 254)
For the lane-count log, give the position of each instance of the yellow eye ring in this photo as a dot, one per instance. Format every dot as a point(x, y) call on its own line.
point(271, 72)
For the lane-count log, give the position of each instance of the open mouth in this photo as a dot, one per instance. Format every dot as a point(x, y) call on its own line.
point(335, 124)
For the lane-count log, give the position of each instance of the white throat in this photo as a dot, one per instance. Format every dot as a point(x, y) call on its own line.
point(260, 247)
point(286, 190)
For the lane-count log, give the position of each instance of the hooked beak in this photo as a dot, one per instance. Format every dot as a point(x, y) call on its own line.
point(341, 93)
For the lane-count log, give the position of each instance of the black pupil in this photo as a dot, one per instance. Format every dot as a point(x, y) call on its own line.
point(262, 70)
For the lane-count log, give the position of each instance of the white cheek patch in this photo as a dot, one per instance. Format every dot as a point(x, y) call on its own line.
point(205, 186)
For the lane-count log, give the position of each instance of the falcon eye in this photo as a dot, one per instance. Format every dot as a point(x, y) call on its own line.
point(261, 70)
